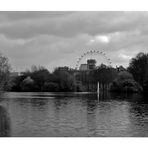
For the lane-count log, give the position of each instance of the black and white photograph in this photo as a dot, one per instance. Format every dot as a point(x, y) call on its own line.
point(73, 73)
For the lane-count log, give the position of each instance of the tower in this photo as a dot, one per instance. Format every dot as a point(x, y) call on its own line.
point(91, 63)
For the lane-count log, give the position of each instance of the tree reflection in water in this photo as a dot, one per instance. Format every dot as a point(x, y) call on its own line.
point(4, 123)
point(91, 116)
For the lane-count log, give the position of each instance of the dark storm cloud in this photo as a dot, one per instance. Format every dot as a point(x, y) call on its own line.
point(56, 38)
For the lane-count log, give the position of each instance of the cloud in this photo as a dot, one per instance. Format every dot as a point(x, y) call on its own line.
point(71, 24)
point(59, 38)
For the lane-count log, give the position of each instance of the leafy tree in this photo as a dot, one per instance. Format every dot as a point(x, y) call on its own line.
point(125, 83)
point(124, 75)
point(15, 84)
point(138, 66)
point(27, 84)
point(145, 85)
point(4, 72)
point(40, 75)
point(65, 80)
point(105, 74)
point(50, 87)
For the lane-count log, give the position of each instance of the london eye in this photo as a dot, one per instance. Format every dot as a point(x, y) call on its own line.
point(98, 55)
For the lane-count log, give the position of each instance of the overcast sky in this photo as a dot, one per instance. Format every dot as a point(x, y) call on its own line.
point(55, 39)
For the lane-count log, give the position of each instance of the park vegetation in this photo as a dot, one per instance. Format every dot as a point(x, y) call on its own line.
point(125, 83)
point(135, 78)
point(138, 67)
point(38, 79)
point(4, 72)
point(62, 79)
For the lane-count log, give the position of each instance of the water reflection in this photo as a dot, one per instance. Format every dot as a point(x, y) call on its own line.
point(139, 119)
point(4, 123)
point(74, 115)
point(91, 115)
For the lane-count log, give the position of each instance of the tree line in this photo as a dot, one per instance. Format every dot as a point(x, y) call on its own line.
point(39, 79)
point(132, 79)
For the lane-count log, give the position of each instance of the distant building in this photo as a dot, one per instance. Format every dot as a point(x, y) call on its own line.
point(83, 67)
point(91, 63)
point(14, 74)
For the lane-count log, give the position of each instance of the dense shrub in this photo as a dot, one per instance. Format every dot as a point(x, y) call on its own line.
point(65, 80)
point(125, 83)
point(27, 84)
point(40, 79)
point(50, 87)
point(4, 72)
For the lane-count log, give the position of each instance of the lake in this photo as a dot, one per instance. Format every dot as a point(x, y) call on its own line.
point(73, 115)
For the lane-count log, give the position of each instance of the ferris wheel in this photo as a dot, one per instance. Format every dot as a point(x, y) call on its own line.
point(91, 54)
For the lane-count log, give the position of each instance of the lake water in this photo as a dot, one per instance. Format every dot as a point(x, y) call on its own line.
point(73, 115)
